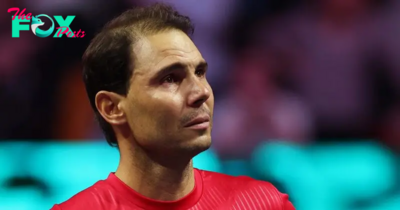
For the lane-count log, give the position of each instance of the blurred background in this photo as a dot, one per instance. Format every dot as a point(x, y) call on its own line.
point(307, 97)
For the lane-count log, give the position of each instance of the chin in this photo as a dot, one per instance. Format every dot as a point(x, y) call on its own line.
point(197, 145)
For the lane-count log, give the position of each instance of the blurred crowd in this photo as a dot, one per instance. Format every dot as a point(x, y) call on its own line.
point(287, 70)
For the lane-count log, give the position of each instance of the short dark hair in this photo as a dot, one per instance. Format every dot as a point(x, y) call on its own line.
point(107, 63)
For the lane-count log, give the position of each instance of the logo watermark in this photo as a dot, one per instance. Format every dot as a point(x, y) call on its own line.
point(19, 18)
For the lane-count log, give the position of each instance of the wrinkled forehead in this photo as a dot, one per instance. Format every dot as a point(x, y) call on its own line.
point(162, 49)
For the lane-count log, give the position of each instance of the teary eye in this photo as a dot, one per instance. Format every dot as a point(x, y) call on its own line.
point(200, 72)
point(169, 79)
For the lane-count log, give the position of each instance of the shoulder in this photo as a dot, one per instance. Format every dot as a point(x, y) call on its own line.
point(248, 187)
point(93, 197)
point(243, 182)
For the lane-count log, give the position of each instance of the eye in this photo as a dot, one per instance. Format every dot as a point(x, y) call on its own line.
point(169, 79)
point(200, 72)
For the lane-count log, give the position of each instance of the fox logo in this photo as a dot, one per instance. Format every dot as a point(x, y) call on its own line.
point(36, 22)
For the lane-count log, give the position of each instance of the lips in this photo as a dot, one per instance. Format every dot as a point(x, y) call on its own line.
point(198, 120)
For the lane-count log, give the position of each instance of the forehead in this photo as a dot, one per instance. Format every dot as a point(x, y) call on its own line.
point(156, 51)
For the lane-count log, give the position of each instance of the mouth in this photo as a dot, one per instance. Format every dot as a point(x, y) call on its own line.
point(199, 123)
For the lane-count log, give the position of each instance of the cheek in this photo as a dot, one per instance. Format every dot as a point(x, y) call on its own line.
point(210, 102)
point(169, 109)
point(159, 111)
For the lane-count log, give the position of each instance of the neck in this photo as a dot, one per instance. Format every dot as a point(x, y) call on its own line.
point(149, 176)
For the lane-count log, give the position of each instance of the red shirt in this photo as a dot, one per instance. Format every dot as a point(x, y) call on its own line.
point(212, 191)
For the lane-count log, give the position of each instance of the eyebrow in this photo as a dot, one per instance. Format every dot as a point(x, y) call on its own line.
point(179, 66)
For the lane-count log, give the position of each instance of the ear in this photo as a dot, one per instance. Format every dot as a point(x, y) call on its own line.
point(109, 106)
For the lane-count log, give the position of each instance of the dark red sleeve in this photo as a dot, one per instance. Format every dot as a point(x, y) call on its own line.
point(276, 198)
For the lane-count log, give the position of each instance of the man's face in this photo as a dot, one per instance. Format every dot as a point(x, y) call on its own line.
point(169, 106)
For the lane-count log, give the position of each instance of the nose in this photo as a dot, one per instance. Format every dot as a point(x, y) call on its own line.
point(199, 93)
